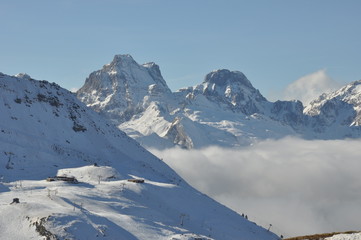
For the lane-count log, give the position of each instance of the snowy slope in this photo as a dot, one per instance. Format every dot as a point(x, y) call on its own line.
point(45, 132)
point(224, 110)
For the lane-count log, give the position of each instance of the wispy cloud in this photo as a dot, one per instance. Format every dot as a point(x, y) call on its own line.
point(298, 186)
point(309, 87)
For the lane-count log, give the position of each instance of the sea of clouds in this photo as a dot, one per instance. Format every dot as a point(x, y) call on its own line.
point(300, 187)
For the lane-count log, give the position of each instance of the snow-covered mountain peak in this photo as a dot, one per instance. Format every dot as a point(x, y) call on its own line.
point(233, 89)
point(124, 65)
point(23, 76)
point(351, 93)
point(342, 107)
point(223, 77)
point(120, 88)
point(122, 59)
point(121, 64)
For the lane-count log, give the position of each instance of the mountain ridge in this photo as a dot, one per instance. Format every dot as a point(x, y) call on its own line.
point(225, 110)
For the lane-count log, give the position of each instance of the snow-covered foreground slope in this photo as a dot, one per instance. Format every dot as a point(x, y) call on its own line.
point(113, 208)
point(45, 132)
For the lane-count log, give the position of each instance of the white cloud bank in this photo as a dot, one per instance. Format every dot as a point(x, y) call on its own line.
point(309, 87)
point(300, 187)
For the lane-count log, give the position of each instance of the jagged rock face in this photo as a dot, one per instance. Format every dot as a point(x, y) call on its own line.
point(340, 109)
point(233, 89)
point(288, 112)
point(176, 133)
point(119, 88)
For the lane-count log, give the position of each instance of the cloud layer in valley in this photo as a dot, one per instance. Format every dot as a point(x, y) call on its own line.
point(300, 187)
point(309, 87)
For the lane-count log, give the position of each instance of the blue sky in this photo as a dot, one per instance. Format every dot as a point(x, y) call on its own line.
point(272, 42)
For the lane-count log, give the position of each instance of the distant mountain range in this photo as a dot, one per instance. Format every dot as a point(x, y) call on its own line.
point(101, 183)
point(224, 110)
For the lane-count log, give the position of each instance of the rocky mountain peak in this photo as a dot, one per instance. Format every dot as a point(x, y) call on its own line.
point(224, 77)
point(119, 89)
point(122, 59)
point(126, 67)
point(23, 76)
point(234, 89)
point(351, 94)
point(339, 107)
